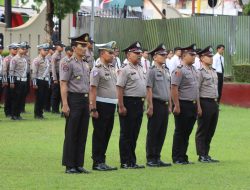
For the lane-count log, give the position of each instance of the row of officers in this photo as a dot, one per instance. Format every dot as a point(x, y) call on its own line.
point(18, 73)
point(188, 93)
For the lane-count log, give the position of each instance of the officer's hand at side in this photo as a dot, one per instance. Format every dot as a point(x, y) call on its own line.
point(122, 111)
point(35, 87)
point(170, 109)
point(12, 85)
point(55, 81)
point(94, 114)
point(150, 111)
point(176, 110)
point(65, 110)
point(199, 111)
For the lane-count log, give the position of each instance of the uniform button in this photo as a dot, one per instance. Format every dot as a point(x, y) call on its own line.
point(86, 95)
point(143, 99)
point(194, 102)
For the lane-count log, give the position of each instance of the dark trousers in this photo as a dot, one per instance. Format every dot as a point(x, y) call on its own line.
point(184, 123)
point(7, 100)
point(1, 90)
point(40, 92)
point(157, 129)
point(27, 90)
point(47, 103)
point(220, 85)
point(129, 128)
point(76, 130)
point(17, 98)
point(206, 126)
point(103, 127)
point(55, 97)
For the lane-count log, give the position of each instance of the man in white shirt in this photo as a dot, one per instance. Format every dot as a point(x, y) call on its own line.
point(144, 60)
point(117, 62)
point(218, 65)
point(175, 60)
point(169, 57)
point(197, 61)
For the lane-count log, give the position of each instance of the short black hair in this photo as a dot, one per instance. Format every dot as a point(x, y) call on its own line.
point(220, 46)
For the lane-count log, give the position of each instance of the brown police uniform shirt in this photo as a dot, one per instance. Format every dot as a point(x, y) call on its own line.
point(132, 79)
point(159, 80)
point(49, 58)
point(208, 83)
point(76, 73)
point(18, 67)
point(55, 62)
point(186, 78)
point(104, 78)
point(40, 67)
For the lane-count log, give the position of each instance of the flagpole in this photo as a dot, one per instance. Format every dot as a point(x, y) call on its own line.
point(92, 19)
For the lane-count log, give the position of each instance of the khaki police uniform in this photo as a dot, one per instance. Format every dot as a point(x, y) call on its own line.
point(76, 73)
point(41, 79)
point(185, 77)
point(133, 81)
point(18, 76)
point(56, 95)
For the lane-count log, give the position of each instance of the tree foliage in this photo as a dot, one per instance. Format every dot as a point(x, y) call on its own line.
point(246, 9)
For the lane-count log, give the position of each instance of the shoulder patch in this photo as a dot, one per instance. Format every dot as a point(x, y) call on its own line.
point(98, 65)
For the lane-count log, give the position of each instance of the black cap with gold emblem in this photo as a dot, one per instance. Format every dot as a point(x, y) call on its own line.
point(190, 49)
point(160, 50)
point(81, 39)
point(208, 51)
point(134, 47)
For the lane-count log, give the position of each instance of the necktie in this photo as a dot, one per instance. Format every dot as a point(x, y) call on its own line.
point(222, 68)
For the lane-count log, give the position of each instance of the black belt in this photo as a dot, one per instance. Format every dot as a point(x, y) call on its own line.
point(160, 101)
point(209, 99)
point(85, 95)
point(189, 101)
point(134, 98)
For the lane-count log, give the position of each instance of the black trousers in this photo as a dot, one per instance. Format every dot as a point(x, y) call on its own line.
point(76, 130)
point(129, 128)
point(55, 97)
point(1, 90)
point(7, 99)
point(103, 127)
point(17, 98)
point(220, 85)
point(40, 92)
point(47, 103)
point(184, 123)
point(206, 126)
point(157, 129)
point(27, 90)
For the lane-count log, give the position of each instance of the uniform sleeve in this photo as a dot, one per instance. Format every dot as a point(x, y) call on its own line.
point(53, 64)
point(176, 77)
point(65, 71)
point(94, 77)
point(122, 78)
point(35, 66)
point(150, 78)
point(5, 69)
point(13, 63)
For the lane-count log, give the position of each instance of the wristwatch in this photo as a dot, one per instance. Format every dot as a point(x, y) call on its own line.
point(93, 110)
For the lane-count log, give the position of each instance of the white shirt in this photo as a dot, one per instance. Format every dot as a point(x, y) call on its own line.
point(145, 64)
point(197, 63)
point(125, 61)
point(217, 59)
point(168, 62)
point(174, 62)
point(117, 62)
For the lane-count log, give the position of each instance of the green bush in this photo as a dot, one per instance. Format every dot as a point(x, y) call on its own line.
point(5, 53)
point(242, 73)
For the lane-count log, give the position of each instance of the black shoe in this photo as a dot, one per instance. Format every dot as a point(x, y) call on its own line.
point(7, 115)
point(39, 117)
point(126, 166)
point(203, 159)
point(71, 171)
point(111, 168)
point(180, 162)
point(101, 167)
point(14, 118)
point(163, 164)
point(136, 166)
point(20, 118)
point(152, 163)
point(212, 160)
point(82, 170)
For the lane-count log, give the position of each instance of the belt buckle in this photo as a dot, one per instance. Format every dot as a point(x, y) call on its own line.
point(194, 102)
point(86, 95)
point(215, 99)
point(142, 99)
point(166, 103)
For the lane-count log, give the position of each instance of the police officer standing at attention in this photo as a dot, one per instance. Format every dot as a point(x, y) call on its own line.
point(18, 81)
point(131, 90)
point(68, 54)
point(6, 82)
point(103, 102)
point(55, 62)
point(74, 81)
point(41, 77)
point(159, 106)
point(89, 56)
point(208, 92)
point(184, 91)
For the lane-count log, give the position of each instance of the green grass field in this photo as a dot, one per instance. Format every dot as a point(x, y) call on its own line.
point(31, 151)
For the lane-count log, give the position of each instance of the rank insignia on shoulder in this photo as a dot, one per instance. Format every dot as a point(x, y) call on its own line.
point(98, 65)
point(95, 73)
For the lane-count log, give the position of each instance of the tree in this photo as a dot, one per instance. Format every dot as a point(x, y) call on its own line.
point(58, 8)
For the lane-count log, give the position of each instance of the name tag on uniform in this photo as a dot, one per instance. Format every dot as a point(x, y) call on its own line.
point(133, 73)
point(78, 77)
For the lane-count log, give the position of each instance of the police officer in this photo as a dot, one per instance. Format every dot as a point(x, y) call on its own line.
point(103, 102)
point(131, 90)
point(41, 78)
point(159, 106)
point(208, 92)
point(68, 52)
point(55, 62)
point(47, 103)
point(27, 58)
point(6, 82)
point(74, 80)
point(89, 56)
point(184, 91)
point(18, 81)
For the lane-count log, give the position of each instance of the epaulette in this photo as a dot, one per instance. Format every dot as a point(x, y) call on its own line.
point(180, 66)
point(151, 67)
point(140, 64)
point(98, 65)
point(124, 65)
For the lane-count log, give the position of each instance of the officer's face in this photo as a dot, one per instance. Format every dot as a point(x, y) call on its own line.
point(22, 51)
point(80, 50)
point(13, 51)
point(108, 56)
point(189, 58)
point(208, 60)
point(221, 50)
point(117, 51)
point(51, 51)
point(44, 52)
point(160, 58)
point(134, 57)
point(69, 53)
